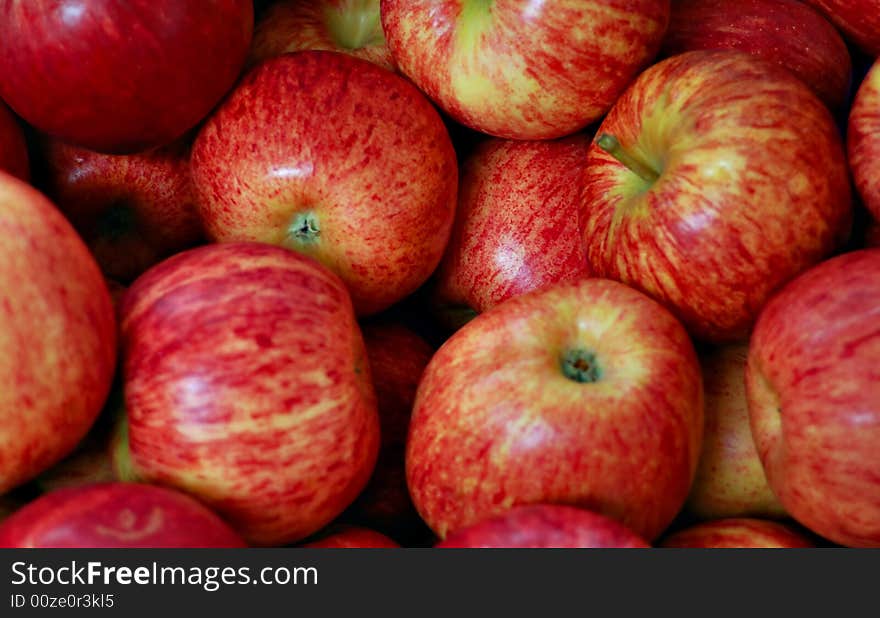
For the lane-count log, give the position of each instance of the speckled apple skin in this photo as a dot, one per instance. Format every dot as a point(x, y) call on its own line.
point(497, 424)
point(247, 385)
point(863, 140)
point(739, 207)
point(736, 533)
point(814, 403)
point(519, 69)
point(57, 335)
point(355, 145)
point(858, 19)
point(349, 537)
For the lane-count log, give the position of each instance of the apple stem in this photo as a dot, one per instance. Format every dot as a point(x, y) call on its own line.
point(580, 365)
point(612, 146)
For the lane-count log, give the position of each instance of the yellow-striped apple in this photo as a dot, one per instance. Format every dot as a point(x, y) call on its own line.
point(349, 26)
point(730, 480)
point(516, 227)
point(587, 394)
point(13, 148)
point(523, 69)
point(859, 20)
point(863, 140)
point(120, 75)
point(247, 385)
point(337, 158)
point(348, 537)
point(132, 210)
point(814, 404)
point(786, 32)
point(57, 335)
point(546, 526)
point(714, 180)
point(117, 515)
point(736, 533)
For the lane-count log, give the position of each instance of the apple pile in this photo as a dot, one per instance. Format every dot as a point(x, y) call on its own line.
point(440, 273)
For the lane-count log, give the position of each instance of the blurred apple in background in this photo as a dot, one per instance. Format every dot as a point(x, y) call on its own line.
point(786, 32)
point(523, 69)
point(57, 335)
point(702, 188)
point(587, 394)
point(14, 156)
point(120, 75)
point(334, 157)
point(516, 228)
point(247, 385)
point(730, 479)
point(859, 20)
point(120, 515)
point(863, 140)
point(341, 537)
point(738, 533)
point(546, 526)
point(812, 376)
point(132, 210)
point(349, 26)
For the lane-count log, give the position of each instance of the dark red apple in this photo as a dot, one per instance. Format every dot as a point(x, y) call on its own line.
point(120, 75)
point(119, 515)
point(859, 20)
point(738, 533)
point(132, 210)
point(13, 148)
point(247, 385)
point(344, 537)
point(546, 526)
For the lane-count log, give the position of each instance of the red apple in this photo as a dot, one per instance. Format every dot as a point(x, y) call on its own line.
point(119, 515)
point(738, 533)
point(859, 20)
point(730, 479)
point(523, 69)
point(786, 32)
point(332, 156)
point(132, 210)
point(13, 148)
point(120, 75)
point(57, 335)
point(587, 394)
point(864, 140)
point(348, 26)
point(811, 380)
point(516, 226)
point(546, 526)
point(247, 385)
point(714, 180)
point(346, 537)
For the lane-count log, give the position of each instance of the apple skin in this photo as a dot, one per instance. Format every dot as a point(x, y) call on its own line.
point(335, 157)
point(350, 537)
point(262, 406)
point(738, 208)
point(57, 335)
point(14, 156)
point(787, 32)
point(498, 423)
point(858, 19)
point(175, 59)
point(132, 210)
point(516, 227)
point(519, 69)
point(348, 26)
point(863, 140)
point(545, 526)
point(730, 480)
point(116, 515)
point(738, 533)
point(814, 406)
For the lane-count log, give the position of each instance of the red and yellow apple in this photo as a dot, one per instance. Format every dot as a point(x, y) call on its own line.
point(348, 537)
point(736, 533)
point(859, 20)
point(714, 180)
point(14, 156)
point(863, 140)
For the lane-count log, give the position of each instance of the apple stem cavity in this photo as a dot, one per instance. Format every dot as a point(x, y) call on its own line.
point(612, 146)
point(356, 24)
point(580, 365)
point(304, 228)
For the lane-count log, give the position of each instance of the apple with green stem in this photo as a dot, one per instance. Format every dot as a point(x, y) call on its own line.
point(863, 140)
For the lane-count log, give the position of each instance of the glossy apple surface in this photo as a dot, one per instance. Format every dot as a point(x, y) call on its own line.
point(349, 537)
point(863, 140)
point(523, 69)
point(587, 394)
point(738, 533)
point(334, 157)
point(120, 75)
point(247, 386)
point(858, 19)
point(786, 32)
point(13, 148)
point(118, 515)
point(811, 379)
point(546, 526)
point(721, 199)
